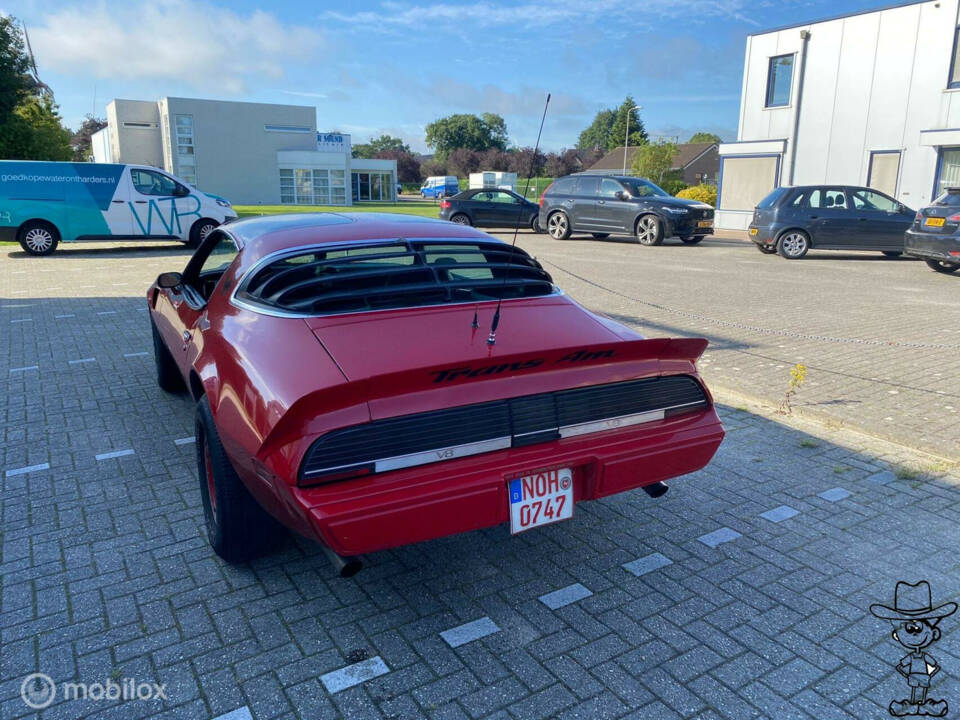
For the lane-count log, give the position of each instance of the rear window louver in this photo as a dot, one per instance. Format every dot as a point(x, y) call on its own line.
point(394, 274)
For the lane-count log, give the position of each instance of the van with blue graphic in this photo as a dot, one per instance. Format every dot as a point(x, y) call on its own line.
point(45, 203)
point(440, 186)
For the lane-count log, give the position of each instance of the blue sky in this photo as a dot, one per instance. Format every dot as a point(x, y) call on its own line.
point(394, 66)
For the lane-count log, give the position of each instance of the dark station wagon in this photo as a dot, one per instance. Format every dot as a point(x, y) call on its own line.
point(935, 233)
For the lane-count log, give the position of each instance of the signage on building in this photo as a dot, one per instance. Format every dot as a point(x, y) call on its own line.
point(333, 142)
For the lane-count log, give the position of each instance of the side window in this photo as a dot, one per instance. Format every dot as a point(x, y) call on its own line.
point(589, 187)
point(827, 198)
point(565, 186)
point(609, 188)
point(481, 197)
point(868, 200)
point(502, 197)
point(148, 182)
point(221, 255)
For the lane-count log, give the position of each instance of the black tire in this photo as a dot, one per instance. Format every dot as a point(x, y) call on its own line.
point(793, 244)
point(767, 249)
point(649, 230)
point(423, 196)
point(892, 253)
point(558, 225)
point(691, 240)
point(237, 527)
point(600, 236)
point(201, 228)
point(38, 237)
point(535, 224)
point(461, 219)
point(942, 267)
point(168, 374)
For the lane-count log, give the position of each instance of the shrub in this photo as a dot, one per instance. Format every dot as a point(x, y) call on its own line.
point(673, 185)
point(703, 193)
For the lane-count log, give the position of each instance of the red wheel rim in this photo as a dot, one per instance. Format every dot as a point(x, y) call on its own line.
point(211, 490)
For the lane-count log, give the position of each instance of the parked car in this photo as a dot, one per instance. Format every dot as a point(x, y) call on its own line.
point(603, 205)
point(934, 235)
point(438, 186)
point(45, 203)
point(792, 220)
point(491, 208)
point(343, 389)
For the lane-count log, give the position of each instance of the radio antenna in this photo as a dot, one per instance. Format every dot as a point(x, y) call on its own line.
point(516, 229)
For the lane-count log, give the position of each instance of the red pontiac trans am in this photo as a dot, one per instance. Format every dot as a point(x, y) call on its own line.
point(347, 387)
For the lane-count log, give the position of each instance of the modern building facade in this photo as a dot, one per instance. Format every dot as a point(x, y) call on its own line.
point(250, 153)
point(868, 99)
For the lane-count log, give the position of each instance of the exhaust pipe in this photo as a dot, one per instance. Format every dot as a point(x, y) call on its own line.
point(655, 490)
point(345, 566)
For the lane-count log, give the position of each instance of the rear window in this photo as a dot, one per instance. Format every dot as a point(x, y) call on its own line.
point(950, 198)
point(771, 199)
point(394, 275)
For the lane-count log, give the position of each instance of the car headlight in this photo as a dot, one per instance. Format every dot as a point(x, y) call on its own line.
point(676, 210)
point(222, 203)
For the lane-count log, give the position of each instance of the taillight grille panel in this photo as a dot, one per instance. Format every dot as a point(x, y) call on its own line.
point(438, 435)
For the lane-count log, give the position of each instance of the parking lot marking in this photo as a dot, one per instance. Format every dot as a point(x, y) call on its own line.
point(779, 514)
point(185, 441)
point(22, 320)
point(24, 368)
point(835, 494)
point(882, 478)
point(107, 312)
point(114, 454)
point(565, 596)
point(354, 674)
point(136, 354)
point(468, 632)
point(648, 563)
point(60, 317)
point(718, 537)
point(82, 360)
point(28, 469)
point(242, 713)
point(18, 305)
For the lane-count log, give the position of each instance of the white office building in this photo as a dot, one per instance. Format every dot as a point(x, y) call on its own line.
point(250, 153)
point(867, 99)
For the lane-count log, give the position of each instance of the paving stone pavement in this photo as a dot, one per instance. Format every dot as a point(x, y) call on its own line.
point(105, 573)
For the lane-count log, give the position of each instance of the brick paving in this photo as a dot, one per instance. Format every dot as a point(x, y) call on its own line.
point(622, 612)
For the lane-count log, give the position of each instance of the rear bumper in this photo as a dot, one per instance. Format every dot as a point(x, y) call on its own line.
point(422, 503)
point(765, 235)
point(933, 247)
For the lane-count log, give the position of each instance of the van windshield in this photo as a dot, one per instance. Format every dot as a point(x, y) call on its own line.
point(643, 188)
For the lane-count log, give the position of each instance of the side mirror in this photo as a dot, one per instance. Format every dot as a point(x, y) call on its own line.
point(180, 191)
point(169, 280)
point(620, 195)
point(901, 208)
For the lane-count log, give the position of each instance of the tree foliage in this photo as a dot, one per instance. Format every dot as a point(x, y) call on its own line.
point(453, 132)
point(379, 145)
point(15, 82)
point(609, 128)
point(699, 137)
point(408, 167)
point(654, 160)
point(80, 142)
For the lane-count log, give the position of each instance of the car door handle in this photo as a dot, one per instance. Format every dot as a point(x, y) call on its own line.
point(118, 201)
point(813, 217)
point(187, 336)
point(141, 202)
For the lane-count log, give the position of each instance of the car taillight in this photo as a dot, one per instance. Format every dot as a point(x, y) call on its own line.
point(954, 218)
point(445, 204)
point(918, 217)
point(545, 190)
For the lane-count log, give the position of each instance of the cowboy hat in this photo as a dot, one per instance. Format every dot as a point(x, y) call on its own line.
point(913, 602)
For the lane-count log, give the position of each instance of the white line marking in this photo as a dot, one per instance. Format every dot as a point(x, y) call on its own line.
point(185, 441)
point(354, 674)
point(468, 632)
point(25, 368)
point(18, 305)
point(648, 563)
point(242, 713)
point(22, 320)
point(114, 454)
point(82, 360)
point(565, 596)
point(107, 312)
point(139, 354)
point(58, 317)
point(28, 469)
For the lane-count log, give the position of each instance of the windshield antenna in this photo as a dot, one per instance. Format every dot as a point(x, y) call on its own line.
point(516, 229)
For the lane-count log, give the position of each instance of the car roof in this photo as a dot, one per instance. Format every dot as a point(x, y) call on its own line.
point(261, 236)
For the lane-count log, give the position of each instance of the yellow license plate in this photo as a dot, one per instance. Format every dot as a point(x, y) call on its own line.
point(753, 231)
point(934, 222)
point(705, 223)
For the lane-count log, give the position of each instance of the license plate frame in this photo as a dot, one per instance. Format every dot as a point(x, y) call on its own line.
point(540, 498)
point(705, 224)
point(754, 231)
point(935, 222)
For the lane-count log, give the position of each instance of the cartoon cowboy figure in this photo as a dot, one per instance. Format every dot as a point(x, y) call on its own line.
point(915, 627)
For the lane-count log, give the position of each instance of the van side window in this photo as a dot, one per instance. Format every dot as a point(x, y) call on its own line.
point(148, 182)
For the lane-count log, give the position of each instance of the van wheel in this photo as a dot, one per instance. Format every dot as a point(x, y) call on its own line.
point(38, 237)
point(942, 267)
point(460, 219)
point(649, 230)
point(558, 225)
point(237, 527)
point(200, 230)
point(168, 374)
point(793, 245)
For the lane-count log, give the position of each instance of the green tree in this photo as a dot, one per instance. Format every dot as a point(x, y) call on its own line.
point(15, 82)
point(34, 132)
point(453, 132)
point(81, 138)
point(698, 137)
point(597, 134)
point(654, 160)
point(609, 128)
point(381, 144)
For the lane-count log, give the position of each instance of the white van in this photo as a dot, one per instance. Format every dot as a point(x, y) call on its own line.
point(45, 203)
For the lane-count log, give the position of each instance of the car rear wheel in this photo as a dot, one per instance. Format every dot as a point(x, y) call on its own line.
point(460, 219)
point(200, 230)
point(558, 225)
point(168, 374)
point(691, 240)
point(237, 527)
point(793, 245)
point(767, 249)
point(600, 236)
point(38, 237)
point(535, 224)
point(942, 267)
point(649, 230)
point(892, 253)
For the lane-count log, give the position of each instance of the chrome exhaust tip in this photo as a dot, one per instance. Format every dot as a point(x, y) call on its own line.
point(657, 489)
point(345, 566)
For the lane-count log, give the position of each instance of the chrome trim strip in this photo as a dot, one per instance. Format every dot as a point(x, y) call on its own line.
point(447, 453)
point(611, 423)
point(328, 470)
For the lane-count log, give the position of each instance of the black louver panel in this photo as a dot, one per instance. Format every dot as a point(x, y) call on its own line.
point(530, 418)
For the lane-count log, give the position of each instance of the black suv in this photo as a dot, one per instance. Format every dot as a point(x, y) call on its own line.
point(614, 204)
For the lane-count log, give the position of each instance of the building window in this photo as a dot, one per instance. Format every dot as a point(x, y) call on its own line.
point(186, 150)
point(287, 193)
point(746, 180)
point(954, 66)
point(303, 186)
point(338, 187)
point(372, 186)
point(949, 175)
point(129, 124)
point(883, 171)
point(288, 128)
point(779, 81)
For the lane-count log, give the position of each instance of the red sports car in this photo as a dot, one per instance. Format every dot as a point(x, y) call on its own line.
point(348, 385)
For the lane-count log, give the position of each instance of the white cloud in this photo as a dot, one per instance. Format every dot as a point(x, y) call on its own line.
point(191, 43)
